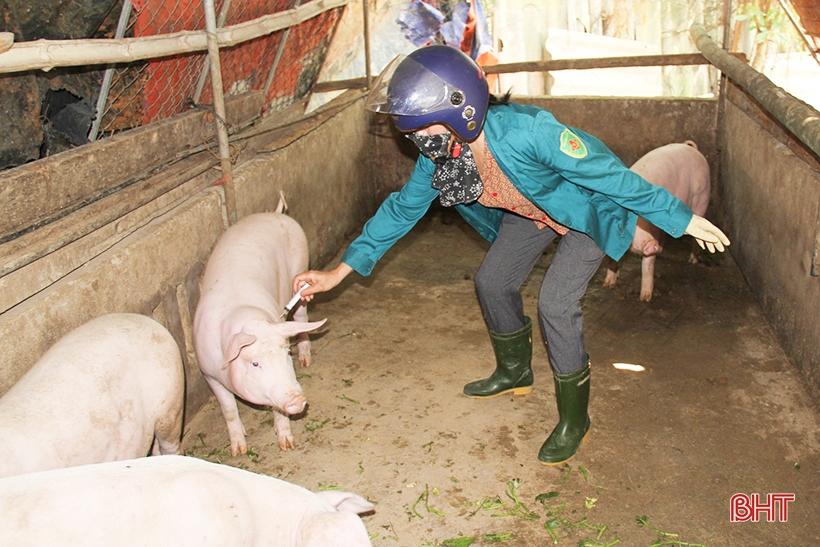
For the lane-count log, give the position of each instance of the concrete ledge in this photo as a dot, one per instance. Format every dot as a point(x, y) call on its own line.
point(772, 205)
point(139, 274)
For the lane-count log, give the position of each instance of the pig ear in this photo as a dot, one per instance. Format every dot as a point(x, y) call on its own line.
point(292, 328)
point(345, 501)
point(238, 341)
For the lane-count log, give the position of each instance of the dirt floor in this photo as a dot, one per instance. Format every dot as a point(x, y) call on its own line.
point(718, 411)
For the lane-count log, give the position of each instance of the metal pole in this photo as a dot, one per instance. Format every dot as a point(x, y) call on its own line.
point(122, 24)
point(276, 59)
point(720, 143)
point(219, 110)
point(366, 18)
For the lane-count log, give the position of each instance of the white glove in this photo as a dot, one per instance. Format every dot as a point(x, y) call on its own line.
point(706, 234)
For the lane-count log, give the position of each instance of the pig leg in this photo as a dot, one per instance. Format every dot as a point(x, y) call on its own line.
point(230, 411)
point(167, 433)
point(302, 339)
point(647, 277)
point(283, 432)
point(611, 273)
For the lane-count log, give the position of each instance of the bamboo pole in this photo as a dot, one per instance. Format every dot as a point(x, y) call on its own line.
point(203, 75)
point(800, 119)
point(6, 41)
point(219, 110)
point(48, 54)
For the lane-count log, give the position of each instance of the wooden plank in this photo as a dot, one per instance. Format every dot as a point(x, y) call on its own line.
point(35, 244)
point(78, 238)
point(336, 85)
point(270, 139)
point(40, 192)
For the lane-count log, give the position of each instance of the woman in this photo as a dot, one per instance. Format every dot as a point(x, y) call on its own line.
point(521, 179)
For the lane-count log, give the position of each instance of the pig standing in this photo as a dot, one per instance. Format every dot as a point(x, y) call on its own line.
point(684, 172)
point(174, 500)
point(240, 340)
point(111, 389)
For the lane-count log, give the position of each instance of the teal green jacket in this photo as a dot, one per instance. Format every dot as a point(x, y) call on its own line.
point(569, 174)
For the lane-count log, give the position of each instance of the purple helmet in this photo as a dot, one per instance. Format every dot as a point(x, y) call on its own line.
point(433, 85)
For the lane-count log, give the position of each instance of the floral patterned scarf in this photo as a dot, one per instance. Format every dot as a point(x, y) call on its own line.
point(456, 176)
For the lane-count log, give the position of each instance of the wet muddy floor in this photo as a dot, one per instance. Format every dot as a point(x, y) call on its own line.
point(719, 410)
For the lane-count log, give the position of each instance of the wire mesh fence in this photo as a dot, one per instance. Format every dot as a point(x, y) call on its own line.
point(284, 63)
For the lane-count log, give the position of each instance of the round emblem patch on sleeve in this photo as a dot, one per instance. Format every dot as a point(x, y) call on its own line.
point(571, 145)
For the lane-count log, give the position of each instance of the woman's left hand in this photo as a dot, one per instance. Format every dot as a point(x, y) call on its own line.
point(707, 234)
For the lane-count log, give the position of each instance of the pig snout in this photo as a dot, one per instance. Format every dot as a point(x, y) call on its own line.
point(296, 405)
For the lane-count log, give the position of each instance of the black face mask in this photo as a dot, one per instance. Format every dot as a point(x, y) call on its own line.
point(456, 176)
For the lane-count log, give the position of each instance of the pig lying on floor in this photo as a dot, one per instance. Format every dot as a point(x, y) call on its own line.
point(173, 500)
point(111, 389)
point(240, 340)
point(684, 172)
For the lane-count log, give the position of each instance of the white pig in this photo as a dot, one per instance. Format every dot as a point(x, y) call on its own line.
point(684, 172)
point(173, 500)
point(111, 389)
point(240, 340)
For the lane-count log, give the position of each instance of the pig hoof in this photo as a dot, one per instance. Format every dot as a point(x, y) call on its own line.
point(286, 444)
point(646, 297)
point(237, 449)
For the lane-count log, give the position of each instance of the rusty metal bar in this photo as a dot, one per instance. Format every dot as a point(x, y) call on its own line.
point(122, 24)
point(276, 59)
point(368, 76)
point(560, 64)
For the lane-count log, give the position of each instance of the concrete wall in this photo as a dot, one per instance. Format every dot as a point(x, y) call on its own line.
point(334, 169)
point(631, 127)
point(771, 195)
point(149, 260)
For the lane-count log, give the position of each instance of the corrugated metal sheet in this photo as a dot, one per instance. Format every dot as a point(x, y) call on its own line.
point(809, 12)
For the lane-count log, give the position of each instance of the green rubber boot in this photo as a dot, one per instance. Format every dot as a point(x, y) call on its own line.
point(513, 372)
point(572, 394)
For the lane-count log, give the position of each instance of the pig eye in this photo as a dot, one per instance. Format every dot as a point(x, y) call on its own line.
point(255, 364)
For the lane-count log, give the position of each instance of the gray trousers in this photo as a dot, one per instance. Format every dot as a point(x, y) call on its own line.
point(508, 263)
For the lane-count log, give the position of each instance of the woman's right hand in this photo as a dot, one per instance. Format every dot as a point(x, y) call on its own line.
point(319, 281)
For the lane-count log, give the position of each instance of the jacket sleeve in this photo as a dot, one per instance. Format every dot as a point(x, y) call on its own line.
point(593, 166)
point(396, 216)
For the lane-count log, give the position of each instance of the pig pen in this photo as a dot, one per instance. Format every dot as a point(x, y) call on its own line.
point(722, 408)
point(718, 411)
